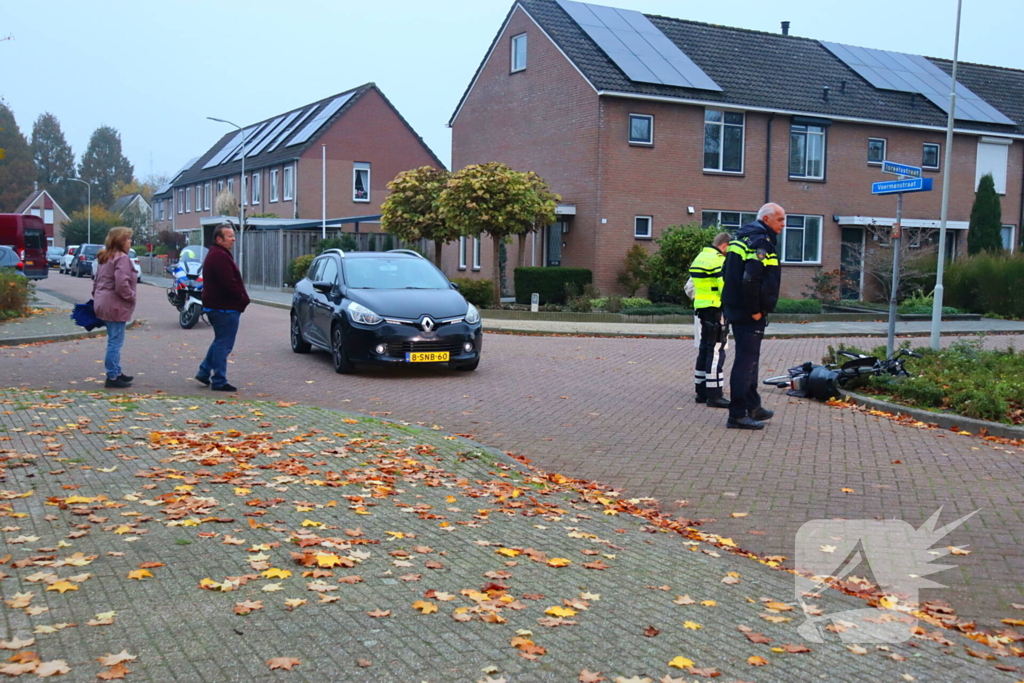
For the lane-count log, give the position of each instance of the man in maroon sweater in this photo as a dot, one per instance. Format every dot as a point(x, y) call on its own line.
point(224, 299)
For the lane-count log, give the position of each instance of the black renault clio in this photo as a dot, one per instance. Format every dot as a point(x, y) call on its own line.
point(386, 308)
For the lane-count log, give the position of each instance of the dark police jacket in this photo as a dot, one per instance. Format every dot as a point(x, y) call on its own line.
point(751, 273)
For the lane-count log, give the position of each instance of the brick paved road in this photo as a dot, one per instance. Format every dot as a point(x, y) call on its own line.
point(620, 411)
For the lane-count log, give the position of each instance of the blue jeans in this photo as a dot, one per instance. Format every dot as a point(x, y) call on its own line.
point(215, 366)
point(115, 340)
point(743, 380)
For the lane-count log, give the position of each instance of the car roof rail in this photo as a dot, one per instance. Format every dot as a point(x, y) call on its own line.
point(339, 252)
point(405, 251)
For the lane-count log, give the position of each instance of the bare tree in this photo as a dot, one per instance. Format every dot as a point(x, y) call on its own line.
point(917, 249)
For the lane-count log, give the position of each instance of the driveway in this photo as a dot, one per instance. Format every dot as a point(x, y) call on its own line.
point(621, 411)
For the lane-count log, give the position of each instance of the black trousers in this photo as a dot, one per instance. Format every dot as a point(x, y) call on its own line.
point(708, 374)
point(743, 380)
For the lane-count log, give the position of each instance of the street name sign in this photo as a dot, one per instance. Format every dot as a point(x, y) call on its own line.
point(898, 186)
point(901, 169)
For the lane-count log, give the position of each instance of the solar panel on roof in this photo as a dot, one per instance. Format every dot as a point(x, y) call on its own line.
point(279, 124)
point(284, 136)
point(227, 149)
point(887, 70)
point(637, 46)
point(262, 134)
point(314, 125)
point(249, 137)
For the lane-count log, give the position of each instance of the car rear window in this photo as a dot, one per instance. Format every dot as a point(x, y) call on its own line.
point(393, 273)
point(90, 249)
point(7, 257)
point(35, 238)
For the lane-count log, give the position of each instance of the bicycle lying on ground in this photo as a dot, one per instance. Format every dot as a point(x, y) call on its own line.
point(823, 382)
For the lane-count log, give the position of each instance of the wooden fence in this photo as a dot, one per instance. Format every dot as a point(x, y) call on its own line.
point(269, 253)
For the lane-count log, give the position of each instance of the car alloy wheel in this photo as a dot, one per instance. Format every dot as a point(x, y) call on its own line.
point(299, 345)
point(342, 365)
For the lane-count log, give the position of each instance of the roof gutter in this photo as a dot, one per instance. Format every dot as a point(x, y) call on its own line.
point(768, 162)
point(794, 112)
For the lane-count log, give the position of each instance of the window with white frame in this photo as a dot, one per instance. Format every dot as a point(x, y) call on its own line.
point(273, 185)
point(641, 129)
point(729, 220)
point(476, 253)
point(807, 151)
point(930, 156)
point(642, 227)
point(723, 141)
point(244, 183)
point(801, 239)
point(876, 151)
point(188, 199)
point(361, 182)
point(286, 182)
point(256, 187)
point(518, 52)
point(199, 197)
point(48, 216)
point(181, 201)
point(1006, 233)
point(462, 253)
point(231, 185)
point(207, 191)
point(220, 186)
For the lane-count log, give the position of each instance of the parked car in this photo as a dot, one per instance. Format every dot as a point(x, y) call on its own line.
point(65, 262)
point(54, 255)
point(81, 264)
point(26, 235)
point(385, 308)
point(9, 260)
point(135, 265)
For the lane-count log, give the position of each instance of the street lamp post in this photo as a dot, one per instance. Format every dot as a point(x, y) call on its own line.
point(88, 187)
point(241, 203)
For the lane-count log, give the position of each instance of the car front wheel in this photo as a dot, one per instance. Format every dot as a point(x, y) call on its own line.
point(299, 345)
point(339, 357)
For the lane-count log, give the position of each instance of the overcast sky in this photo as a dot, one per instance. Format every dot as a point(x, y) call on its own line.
point(155, 71)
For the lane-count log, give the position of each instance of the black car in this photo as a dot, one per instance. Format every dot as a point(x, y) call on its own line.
point(54, 255)
point(81, 264)
point(385, 308)
point(9, 261)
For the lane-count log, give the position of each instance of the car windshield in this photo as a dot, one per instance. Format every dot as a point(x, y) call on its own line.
point(54, 251)
point(393, 273)
point(90, 249)
point(132, 254)
point(192, 253)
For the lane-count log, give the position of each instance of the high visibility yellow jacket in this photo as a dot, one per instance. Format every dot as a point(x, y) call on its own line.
point(706, 271)
point(751, 273)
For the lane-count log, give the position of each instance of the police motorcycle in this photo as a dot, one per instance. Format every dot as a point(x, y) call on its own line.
point(186, 294)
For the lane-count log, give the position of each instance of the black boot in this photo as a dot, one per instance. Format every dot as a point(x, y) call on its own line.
point(718, 402)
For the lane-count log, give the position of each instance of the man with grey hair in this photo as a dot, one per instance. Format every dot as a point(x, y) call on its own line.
point(751, 290)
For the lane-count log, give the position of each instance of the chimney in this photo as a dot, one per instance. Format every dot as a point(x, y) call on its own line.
point(824, 93)
point(785, 28)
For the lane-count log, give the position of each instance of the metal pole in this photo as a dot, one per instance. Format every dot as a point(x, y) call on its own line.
point(897, 231)
point(946, 181)
point(241, 204)
point(323, 192)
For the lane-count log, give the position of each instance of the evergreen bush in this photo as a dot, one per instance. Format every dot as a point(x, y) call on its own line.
point(477, 292)
point(549, 283)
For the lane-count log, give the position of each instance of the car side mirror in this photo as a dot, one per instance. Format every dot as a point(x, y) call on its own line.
point(455, 286)
point(323, 287)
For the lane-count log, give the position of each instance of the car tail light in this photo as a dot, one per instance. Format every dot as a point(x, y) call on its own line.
point(82, 257)
point(20, 266)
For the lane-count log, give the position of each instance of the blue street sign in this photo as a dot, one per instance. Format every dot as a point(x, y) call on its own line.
point(901, 169)
point(897, 186)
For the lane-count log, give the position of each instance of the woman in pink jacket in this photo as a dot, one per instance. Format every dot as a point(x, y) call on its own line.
point(113, 294)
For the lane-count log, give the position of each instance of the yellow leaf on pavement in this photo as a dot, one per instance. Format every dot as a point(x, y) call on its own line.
point(681, 662)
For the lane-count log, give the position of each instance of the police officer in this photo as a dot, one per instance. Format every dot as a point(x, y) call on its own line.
point(752, 277)
point(706, 272)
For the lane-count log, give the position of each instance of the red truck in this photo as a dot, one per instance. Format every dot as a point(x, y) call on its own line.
point(26, 234)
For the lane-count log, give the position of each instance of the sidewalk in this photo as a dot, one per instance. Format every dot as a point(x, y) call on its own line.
point(274, 297)
point(213, 540)
point(52, 324)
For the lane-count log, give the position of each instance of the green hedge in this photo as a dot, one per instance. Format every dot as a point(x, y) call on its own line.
point(658, 309)
point(14, 294)
point(477, 292)
point(986, 283)
point(798, 306)
point(298, 269)
point(549, 283)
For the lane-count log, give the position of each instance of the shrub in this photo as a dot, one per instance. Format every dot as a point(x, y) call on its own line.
point(635, 301)
point(613, 304)
point(477, 292)
point(14, 294)
point(637, 272)
point(298, 269)
point(660, 295)
point(798, 306)
point(549, 283)
point(921, 304)
point(580, 302)
point(987, 283)
point(677, 247)
point(824, 285)
point(655, 309)
point(345, 242)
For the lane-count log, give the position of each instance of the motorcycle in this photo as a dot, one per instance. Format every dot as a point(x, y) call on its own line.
point(186, 292)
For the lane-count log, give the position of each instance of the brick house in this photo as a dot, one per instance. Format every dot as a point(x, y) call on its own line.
point(367, 144)
point(756, 117)
point(41, 204)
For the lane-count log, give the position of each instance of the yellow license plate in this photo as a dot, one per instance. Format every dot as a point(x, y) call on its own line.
point(427, 357)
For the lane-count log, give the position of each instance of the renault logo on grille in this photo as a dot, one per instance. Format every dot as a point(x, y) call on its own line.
point(427, 323)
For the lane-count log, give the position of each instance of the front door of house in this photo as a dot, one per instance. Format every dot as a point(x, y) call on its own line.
point(553, 244)
point(851, 261)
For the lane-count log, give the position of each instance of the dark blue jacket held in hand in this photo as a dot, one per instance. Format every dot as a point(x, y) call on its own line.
point(751, 273)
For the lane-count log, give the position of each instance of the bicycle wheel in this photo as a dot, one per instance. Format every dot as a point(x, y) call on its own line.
point(782, 381)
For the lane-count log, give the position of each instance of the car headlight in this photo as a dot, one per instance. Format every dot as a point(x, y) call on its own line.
point(472, 315)
point(363, 315)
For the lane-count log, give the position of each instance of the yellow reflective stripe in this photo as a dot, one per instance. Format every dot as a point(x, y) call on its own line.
point(771, 261)
point(740, 250)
